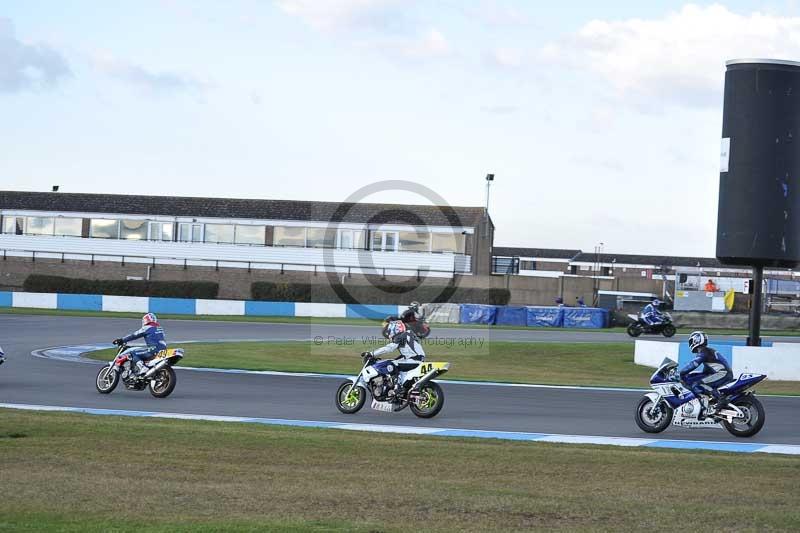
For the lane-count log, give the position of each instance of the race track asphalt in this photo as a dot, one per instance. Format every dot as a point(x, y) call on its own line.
point(32, 380)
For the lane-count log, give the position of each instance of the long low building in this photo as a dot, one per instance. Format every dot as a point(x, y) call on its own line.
point(364, 238)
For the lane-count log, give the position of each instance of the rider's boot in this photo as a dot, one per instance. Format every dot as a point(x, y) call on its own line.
point(701, 414)
point(141, 368)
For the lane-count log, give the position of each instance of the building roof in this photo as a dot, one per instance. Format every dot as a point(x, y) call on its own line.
point(655, 260)
point(548, 253)
point(231, 208)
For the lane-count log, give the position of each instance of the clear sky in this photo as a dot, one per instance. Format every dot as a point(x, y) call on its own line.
point(601, 120)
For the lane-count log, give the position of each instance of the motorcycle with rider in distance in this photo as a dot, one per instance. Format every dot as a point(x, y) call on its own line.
point(160, 377)
point(417, 389)
point(741, 413)
point(639, 326)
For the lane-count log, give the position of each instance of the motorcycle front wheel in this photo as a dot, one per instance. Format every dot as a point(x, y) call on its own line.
point(430, 402)
point(634, 330)
point(350, 398)
point(163, 382)
point(668, 331)
point(653, 418)
point(106, 380)
point(753, 420)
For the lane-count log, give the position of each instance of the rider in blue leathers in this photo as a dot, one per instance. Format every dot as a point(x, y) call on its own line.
point(706, 373)
point(153, 335)
point(402, 340)
point(651, 314)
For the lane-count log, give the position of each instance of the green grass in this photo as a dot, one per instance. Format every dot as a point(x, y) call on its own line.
point(74, 472)
point(598, 364)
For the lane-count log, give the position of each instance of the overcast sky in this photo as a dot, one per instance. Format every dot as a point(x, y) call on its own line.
point(601, 120)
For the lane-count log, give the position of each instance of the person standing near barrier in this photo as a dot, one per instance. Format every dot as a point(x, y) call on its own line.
point(711, 286)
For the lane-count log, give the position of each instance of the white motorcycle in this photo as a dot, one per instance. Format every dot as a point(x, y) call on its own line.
point(416, 389)
point(742, 413)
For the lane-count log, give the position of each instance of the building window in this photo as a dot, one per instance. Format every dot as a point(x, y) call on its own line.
point(384, 241)
point(415, 241)
point(505, 265)
point(133, 229)
point(14, 225)
point(289, 236)
point(160, 231)
point(219, 233)
point(39, 225)
point(527, 265)
point(349, 239)
point(249, 234)
point(101, 228)
point(188, 232)
point(448, 242)
point(320, 238)
point(69, 227)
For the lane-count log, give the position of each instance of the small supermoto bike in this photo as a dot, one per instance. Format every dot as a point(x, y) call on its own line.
point(741, 414)
point(639, 326)
point(417, 389)
point(160, 377)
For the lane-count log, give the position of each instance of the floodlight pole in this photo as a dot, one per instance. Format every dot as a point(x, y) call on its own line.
point(754, 339)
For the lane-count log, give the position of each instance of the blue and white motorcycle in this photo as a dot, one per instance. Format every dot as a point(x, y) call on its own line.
point(670, 402)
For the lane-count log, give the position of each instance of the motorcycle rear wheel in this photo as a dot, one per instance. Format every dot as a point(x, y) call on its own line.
point(634, 330)
point(434, 401)
point(163, 382)
point(668, 331)
point(106, 380)
point(350, 398)
point(752, 407)
point(649, 423)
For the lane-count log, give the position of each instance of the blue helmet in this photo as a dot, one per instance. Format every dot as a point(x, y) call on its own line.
point(697, 339)
point(656, 302)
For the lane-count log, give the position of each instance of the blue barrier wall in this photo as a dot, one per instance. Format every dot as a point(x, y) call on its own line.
point(478, 314)
point(551, 317)
point(6, 300)
point(511, 316)
point(80, 302)
point(174, 306)
point(269, 308)
point(585, 317)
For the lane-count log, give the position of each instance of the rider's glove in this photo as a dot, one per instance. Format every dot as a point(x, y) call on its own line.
point(117, 342)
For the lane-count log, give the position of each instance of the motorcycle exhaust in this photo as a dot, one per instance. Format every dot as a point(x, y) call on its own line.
point(424, 379)
point(155, 369)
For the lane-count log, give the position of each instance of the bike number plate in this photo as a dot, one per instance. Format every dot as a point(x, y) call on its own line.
point(386, 407)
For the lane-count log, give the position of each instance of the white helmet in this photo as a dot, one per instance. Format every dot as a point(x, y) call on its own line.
point(697, 339)
point(149, 318)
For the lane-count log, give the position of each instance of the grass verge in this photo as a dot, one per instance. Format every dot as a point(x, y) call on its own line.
point(73, 472)
point(588, 364)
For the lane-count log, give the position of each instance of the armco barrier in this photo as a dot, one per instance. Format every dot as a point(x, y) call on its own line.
point(511, 316)
point(551, 317)
point(585, 317)
point(779, 361)
point(478, 314)
point(436, 313)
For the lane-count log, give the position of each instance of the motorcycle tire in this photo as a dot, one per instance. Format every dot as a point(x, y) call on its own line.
point(433, 389)
point(751, 405)
point(352, 406)
point(165, 381)
point(108, 385)
point(662, 423)
point(668, 331)
point(634, 330)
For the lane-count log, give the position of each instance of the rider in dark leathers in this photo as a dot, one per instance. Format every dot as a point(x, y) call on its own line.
point(706, 373)
point(153, 335)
